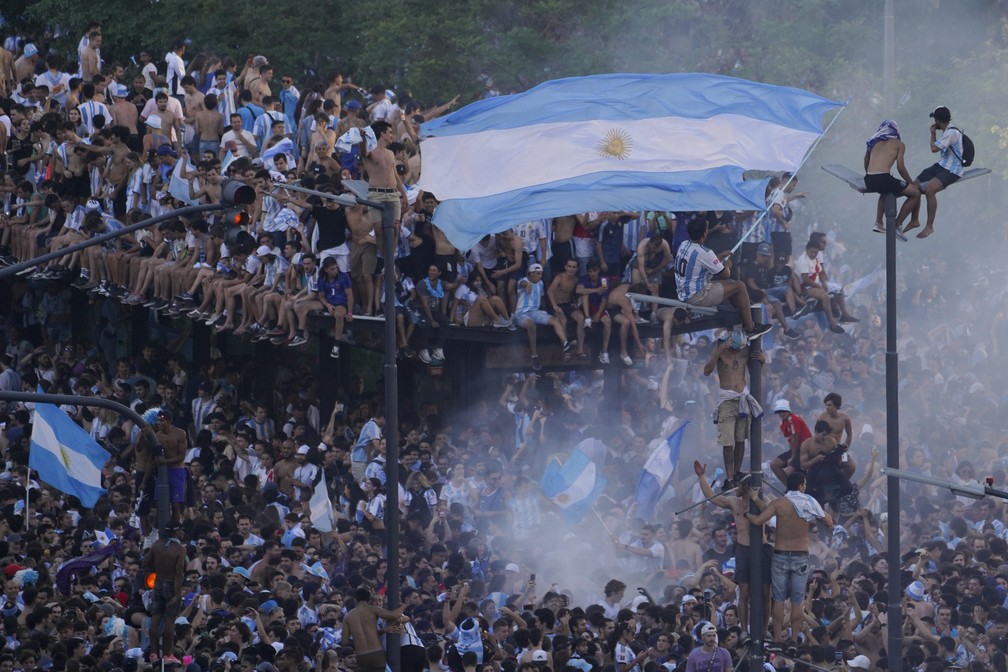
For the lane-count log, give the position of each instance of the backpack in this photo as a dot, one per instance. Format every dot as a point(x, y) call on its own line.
point(969, 151)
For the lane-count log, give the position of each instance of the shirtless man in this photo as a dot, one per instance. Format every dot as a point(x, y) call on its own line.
point(839, 422)
point(884, 149)
point(8, 79)
point(363, 256)
point(446, 259)
point(167, 559)
point(735, 405)
point(173, 441)
point(260, 85)
point(118, 170)
point(563, 302)
point(362, 622)
point(790, 567)
point(739, 506)
point(562, 247)
point(684, 549)
point(506, 276)
point(384, 183)
point(90, 57)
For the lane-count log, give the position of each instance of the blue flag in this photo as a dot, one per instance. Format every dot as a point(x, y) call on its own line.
point(657, 473)
point(573, 486)
point(613, 142)
point(65, 456)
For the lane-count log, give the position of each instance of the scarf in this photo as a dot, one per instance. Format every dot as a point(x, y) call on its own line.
point(434, 293)
point(886, 131)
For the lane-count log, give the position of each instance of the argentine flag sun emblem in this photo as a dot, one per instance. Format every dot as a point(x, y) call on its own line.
point(616, 144)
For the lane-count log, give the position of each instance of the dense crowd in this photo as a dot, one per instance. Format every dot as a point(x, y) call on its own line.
point(487, 560)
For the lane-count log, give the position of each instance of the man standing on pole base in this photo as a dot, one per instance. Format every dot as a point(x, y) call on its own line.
point(736, 406)
point(167, 559)
point(362, 622)
point(790, 567)
point(709, 657)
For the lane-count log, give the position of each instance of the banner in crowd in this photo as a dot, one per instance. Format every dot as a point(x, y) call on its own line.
point(574, 485)
point(613, 142)
point(65, 456)
point(657, 473)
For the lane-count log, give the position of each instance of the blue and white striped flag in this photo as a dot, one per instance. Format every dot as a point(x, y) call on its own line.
point(613, 142)
point(574, 485)
point(657, 473)
point(65, 456)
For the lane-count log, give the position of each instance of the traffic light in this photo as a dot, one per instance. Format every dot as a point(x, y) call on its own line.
point(236, 219)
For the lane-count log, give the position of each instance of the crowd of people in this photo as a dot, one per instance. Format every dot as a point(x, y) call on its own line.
point(247, 573)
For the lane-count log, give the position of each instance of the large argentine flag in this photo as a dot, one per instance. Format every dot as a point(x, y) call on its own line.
point(321, 507)
point(657, 473)
point(573, 486)
point(65, 456)
point(613, 142)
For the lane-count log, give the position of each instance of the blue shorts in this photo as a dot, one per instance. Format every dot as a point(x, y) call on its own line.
point(177, 484)
point(537, 316)
point(789, 575)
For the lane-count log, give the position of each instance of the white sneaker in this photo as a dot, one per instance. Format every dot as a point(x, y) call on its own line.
point(438, 354)
point(603, 357)
point(334, 353)
point(425, 356)
point(627, 360)
point(501, 323)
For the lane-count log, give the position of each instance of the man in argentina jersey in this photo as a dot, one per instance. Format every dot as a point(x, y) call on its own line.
point(702, 278)
point(529, 313)
point(940, 175)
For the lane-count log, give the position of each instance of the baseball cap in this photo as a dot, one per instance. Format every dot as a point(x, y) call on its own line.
point(263, 250)
point(153, 121)
point(242, 572)
point(764, 248)
point(30, 50)
point(940, 113)
point(710, 627)
point(639, 600)
point(353, 105)
point(303, 450)
point(535, 268)
point(166, 150)
point(860, 662)
point(539, 656)
point(781, 405)
point(511, 567)
point(688, 598)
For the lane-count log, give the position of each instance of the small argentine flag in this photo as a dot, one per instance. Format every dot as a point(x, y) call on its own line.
point(65, 456)
point(573, 486)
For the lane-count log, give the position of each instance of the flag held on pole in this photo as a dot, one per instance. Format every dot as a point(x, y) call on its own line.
point(657, 473)
point(613, 142)
point(65, 456)
point(574, 485)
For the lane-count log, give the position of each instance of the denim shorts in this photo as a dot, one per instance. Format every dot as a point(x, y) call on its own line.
point(789, 575)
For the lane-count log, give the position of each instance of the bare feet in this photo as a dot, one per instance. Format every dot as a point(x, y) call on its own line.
point(912, 224)
point(928, 230)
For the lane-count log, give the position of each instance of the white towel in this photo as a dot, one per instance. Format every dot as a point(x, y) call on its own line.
point(748, 406)
point(352, 137)
point(806, 506)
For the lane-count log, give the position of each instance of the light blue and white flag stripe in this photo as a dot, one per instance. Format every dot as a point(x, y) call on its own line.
point(65, 456)
point(657, 473)
point(574, 485)
point(573, 132)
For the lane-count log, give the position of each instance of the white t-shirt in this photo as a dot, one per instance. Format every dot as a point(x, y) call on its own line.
point(810, 267)
point(175, 73)
point(240, 148)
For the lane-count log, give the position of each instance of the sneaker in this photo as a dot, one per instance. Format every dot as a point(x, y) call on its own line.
point(151, 303)
point(569, 345)
point(849, 319)
point(194, 313)
point(334, 353)
point(278, 340)
point(511, 325)
point(186, 296)
point(425, 356)
point(438, 354)
point(501, 323)
point(807, 307)
point(900, 235)
point(627, 359)
point(278, 332)
point(296, 341)
point(879, 228)
point(536, 363)
point(837, 329)
point(728, 484)
point(791, 333)
point(80, 282)
point(758, 330)
point(603, 357)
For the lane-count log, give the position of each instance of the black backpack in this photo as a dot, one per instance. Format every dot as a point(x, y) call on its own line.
point(969, 152)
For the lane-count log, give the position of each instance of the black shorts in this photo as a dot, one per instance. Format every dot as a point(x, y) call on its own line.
point(788, 462)
point(936, 172)
point(569, 309)
point(883, 183)
point(561, 254)
point(163, 593)
point(742, 563)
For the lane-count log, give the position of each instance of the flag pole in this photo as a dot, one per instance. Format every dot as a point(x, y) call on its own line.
point(599, 516)
point(790, 179)
point(27, 483)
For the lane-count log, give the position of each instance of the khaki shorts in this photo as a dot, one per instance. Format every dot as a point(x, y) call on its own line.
point(731, 428)
point(363, 260)
point(711, 295)
point(383, 196)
